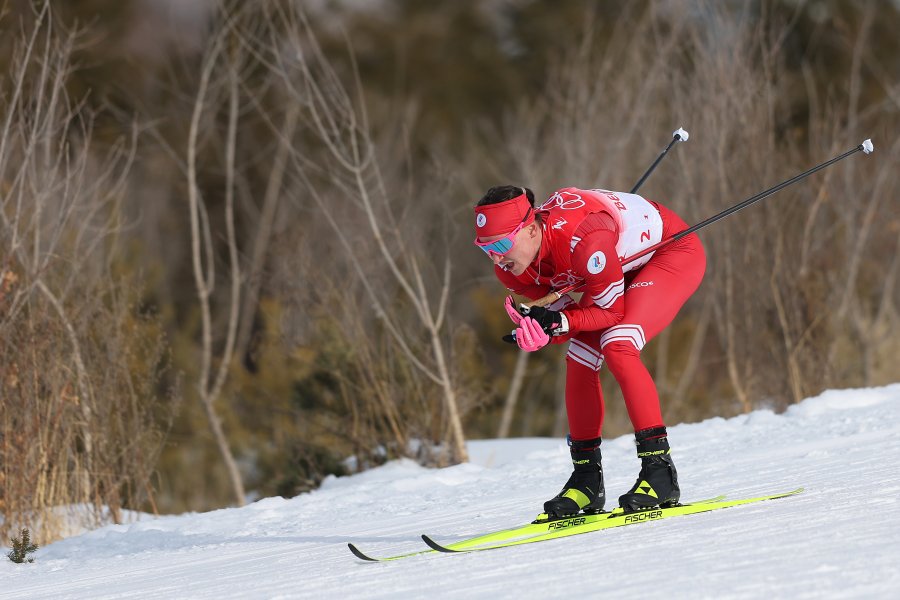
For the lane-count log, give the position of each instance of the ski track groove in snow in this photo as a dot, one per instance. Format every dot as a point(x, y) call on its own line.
point(835, 540)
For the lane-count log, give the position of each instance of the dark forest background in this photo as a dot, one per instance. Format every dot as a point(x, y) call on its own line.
point(235, 237)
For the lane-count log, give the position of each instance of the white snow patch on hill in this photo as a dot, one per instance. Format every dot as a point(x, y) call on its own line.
point(835, 540)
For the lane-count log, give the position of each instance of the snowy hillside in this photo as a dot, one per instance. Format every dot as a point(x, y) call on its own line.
point(838, 539)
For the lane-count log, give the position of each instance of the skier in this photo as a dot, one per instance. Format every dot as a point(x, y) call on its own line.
point(582, 235)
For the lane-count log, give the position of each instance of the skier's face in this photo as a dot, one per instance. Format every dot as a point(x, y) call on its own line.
point(526, 243)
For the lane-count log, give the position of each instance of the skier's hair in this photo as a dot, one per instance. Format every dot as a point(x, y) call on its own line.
point(502, 193)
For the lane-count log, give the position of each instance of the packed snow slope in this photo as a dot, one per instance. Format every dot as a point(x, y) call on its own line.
point(837, 540)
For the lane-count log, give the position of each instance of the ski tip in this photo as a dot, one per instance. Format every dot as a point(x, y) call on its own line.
point(867, 146)
point(435, 546)
point(358, 554)
point(786, 494)
point(681, 134)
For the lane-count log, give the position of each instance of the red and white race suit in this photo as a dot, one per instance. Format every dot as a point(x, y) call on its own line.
point(586, 234)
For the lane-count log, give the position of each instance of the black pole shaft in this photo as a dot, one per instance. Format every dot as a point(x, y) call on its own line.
point(762, 195)
point(739, 206)
point(865, 147)
point(675, 140)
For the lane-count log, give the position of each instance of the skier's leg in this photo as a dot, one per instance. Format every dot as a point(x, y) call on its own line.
point(652, 300)
point(584, 397)
point(584, 489)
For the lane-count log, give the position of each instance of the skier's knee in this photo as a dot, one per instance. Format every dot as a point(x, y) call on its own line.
point(622, 343)
point(618, 353)
point(624, 332)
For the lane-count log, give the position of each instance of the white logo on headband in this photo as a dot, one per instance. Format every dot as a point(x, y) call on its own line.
point(480, 220)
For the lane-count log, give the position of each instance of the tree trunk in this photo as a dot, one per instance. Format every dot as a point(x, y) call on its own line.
point(512, 396)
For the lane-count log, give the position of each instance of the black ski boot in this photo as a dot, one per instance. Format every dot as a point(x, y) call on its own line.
point(657, 483)
point(584, 489)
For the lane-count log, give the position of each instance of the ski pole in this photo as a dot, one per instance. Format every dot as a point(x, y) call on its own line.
point(866, 147)
point(679, 135)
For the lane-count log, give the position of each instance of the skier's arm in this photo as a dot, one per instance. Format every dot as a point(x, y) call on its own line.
point(594, 259)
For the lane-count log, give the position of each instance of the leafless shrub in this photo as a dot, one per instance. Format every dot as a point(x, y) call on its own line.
point(355, 178)
point(78, 363)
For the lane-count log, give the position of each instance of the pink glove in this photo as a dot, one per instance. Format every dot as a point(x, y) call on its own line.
point(530, 336)
point(510, 307)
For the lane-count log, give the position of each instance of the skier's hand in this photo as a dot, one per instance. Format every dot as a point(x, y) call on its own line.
point(552, 322)
point(511, 310)
point(530, 336)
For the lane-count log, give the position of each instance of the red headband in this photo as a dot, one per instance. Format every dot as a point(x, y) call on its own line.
point(503, 217)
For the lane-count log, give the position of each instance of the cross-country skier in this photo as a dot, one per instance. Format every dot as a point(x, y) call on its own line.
point(582, 235)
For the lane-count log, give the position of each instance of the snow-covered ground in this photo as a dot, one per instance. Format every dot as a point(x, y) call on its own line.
point(836, 540)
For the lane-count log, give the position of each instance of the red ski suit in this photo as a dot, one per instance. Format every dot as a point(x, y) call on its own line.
point(586, 233)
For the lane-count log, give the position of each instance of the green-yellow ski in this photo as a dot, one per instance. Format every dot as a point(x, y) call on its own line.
point(531, 529)
point(581, 524)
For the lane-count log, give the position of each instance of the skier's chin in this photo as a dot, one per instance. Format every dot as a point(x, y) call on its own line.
point(512, 269)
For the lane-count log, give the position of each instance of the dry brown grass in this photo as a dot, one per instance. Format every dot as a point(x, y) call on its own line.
point(78, 362)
